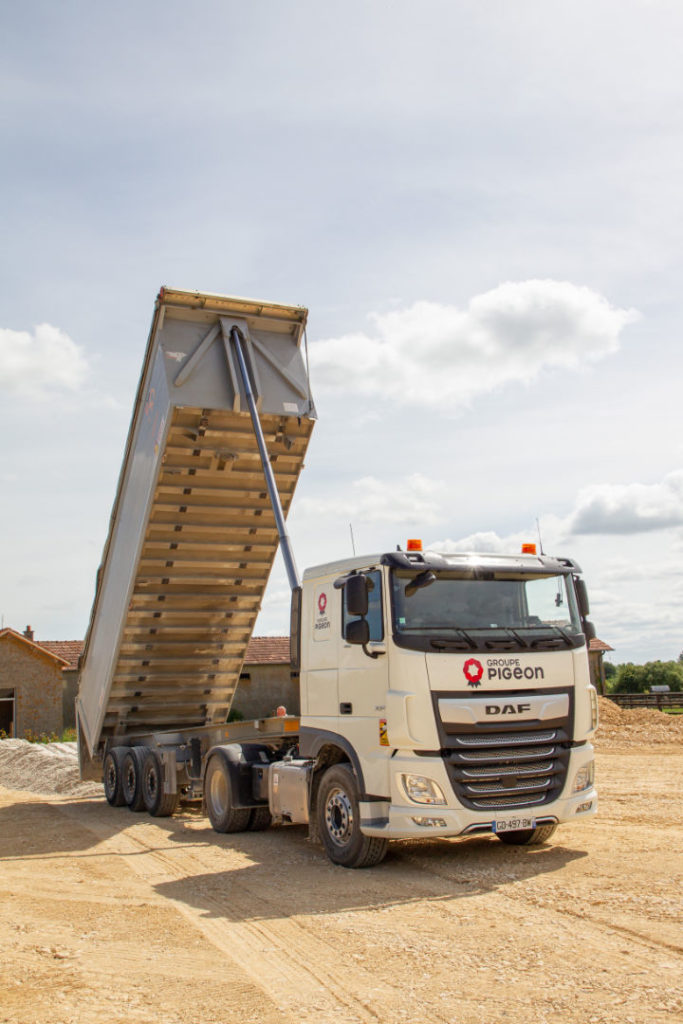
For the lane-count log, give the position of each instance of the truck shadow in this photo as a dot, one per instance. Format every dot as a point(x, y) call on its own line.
point(275, 874)
point(289, 876)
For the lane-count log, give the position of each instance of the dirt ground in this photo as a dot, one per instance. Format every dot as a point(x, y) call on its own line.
point(109, 916)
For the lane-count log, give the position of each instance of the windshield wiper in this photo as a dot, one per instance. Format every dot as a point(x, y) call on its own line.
point(506, 643)
point(463, 643)
point(564, 638)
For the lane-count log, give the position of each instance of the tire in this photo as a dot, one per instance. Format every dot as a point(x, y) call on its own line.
point(157, 803)
point(112, 776)
point(528, 836)
point(131, 778)
point(339, 821)
point(259, 819)
point(224, 817)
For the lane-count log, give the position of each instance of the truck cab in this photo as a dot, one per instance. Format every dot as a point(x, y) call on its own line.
point(454, 688)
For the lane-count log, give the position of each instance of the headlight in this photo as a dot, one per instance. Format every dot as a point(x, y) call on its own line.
point(594, 706)
point(584, 777)
point(421, 790)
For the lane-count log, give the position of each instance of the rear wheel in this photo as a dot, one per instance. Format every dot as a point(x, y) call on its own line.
point(224, 817)
point(113, 776)
point(528, 836)
point(259, 819)
point(157, 803)
point(339, 821)
point(131, 778)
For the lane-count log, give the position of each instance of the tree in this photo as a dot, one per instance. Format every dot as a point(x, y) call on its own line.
point(632, 678)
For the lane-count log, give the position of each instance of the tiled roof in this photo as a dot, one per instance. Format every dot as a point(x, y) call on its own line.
point(599, 645)
point(69, 650)
point(262, 650)
point(11, 634)
point(268, 650)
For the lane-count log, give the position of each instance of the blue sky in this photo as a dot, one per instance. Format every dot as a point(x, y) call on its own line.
point(480, 203)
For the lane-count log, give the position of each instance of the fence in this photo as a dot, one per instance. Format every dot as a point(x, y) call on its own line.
point(662, 701)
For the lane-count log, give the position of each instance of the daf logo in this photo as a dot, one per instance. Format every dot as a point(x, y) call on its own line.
point(507, 709)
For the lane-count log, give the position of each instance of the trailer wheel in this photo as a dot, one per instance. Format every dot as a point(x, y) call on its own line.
point(259, 819)
point(528, 836)
point(224, 817)
point(131, 778)
point(339, 821)
point(113, 776)
point(157, 803)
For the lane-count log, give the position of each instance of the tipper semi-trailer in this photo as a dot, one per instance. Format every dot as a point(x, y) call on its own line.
point(441, 694)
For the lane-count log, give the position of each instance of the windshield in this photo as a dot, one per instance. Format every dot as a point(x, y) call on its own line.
point(501, 610)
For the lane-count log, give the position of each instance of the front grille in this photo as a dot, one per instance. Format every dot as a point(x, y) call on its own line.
point(507, 769)
point(501, 771)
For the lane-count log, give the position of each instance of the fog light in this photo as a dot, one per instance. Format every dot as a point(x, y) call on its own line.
point(430, 822)
point(586, 806)
point(584, 777)
point(422, 790)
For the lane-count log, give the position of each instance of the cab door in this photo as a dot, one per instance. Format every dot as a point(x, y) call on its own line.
point(363, 679)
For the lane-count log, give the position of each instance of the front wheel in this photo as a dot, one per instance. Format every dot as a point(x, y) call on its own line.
point(339, 821)
point(528, 836)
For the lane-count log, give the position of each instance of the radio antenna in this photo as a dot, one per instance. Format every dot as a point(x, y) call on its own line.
point(540, 539)
point(353, 543)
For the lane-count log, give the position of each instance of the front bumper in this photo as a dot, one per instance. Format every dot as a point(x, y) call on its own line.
point(396, 819)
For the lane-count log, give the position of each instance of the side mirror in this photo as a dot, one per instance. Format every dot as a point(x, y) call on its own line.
point(356, 590)
point(589, 630)
point(357, 632)
point(582, 597)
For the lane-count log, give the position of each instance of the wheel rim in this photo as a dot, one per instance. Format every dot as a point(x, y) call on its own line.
point(218, 793)
point(110, 777)
point(151, 781)
point(339, 817)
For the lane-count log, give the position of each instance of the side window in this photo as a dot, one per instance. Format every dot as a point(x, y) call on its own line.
point(374, 616)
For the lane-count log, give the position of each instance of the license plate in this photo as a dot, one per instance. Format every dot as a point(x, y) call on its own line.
point(514, 824)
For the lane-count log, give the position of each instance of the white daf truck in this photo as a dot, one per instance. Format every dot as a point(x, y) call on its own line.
point(441, 694)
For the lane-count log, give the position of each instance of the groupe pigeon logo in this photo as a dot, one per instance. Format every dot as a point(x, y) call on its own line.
point(322, 603)
point(473, 670)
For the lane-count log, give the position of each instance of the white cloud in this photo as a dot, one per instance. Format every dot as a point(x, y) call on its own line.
point(32, 365)
point(629, 508)
point(445, 356)
point(484, 542)
point(369, 500)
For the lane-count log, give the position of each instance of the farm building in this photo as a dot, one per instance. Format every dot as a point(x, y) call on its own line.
point(31, 685)
point(39, 681)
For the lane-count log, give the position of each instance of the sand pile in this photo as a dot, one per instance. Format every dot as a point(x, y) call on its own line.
point(640, 727)
point(43, 768)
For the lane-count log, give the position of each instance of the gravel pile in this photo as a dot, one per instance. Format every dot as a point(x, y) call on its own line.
point(621, 728)
point(43, 768)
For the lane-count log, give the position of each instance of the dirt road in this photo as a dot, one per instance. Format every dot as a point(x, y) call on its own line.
point(114, 917)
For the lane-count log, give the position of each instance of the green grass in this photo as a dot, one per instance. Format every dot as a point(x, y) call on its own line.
point(67, 736)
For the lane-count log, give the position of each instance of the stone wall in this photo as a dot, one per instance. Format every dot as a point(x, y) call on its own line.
point(263, 687)
point(37, 683)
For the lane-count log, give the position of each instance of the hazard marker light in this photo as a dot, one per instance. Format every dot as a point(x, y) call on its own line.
point(414, 545)
point(528, 549)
